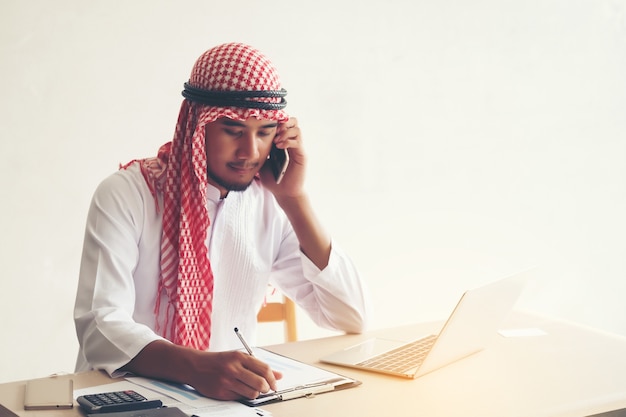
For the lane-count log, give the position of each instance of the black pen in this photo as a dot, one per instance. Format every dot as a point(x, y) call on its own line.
point(243, 342)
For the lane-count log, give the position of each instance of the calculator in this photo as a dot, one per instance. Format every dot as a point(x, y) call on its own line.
point(108, 402)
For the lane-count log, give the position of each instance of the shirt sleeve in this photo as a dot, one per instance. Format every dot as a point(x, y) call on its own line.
point(335, 298)
point(108, 334)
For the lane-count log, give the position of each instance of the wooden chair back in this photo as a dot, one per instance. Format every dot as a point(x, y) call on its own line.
point(284, 311)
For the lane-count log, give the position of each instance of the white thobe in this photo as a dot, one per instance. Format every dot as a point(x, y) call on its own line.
point(251, 244)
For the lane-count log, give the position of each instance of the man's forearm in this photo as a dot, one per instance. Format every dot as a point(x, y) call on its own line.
point(162, 360)
point(313, 239)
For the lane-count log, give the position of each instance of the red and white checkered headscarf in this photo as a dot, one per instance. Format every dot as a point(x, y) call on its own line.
point(179, 172)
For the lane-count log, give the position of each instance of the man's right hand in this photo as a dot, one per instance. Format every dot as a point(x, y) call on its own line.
point(221, 375)
point(232, 375)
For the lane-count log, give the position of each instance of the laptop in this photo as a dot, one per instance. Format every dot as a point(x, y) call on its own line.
point(473, 322)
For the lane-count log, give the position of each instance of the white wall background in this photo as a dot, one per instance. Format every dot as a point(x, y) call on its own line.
point(451, 143)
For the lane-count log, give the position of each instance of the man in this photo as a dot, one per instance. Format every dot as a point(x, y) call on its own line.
point(179, 249)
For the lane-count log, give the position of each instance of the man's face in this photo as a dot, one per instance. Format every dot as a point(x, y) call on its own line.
point(236, 151)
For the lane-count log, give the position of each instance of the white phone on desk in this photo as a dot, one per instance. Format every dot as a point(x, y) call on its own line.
point(49, 394)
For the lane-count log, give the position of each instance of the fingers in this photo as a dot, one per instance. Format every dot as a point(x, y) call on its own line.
point(250, 376)
point(232, 375)
point(257, 375)
point(288, 134)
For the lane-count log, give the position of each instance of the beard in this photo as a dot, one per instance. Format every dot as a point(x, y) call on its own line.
point(228, 185)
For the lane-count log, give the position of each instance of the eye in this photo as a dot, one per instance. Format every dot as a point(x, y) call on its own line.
point(266, 132)
point(231, 132)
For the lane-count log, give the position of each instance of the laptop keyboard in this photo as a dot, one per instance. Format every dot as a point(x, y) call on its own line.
point(404, 358)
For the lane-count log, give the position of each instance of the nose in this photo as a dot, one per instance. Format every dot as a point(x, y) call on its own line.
point(247, 146)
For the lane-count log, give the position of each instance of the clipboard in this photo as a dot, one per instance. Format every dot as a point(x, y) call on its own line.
point(300, 380)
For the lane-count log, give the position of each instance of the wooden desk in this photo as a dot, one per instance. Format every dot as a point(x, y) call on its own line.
point(571, 371)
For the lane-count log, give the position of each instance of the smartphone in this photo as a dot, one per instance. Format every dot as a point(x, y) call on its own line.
point(279, 160)
point(49, 394)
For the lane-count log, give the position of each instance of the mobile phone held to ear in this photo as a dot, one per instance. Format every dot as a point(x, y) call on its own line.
point(49, 394)
point(279, 160)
